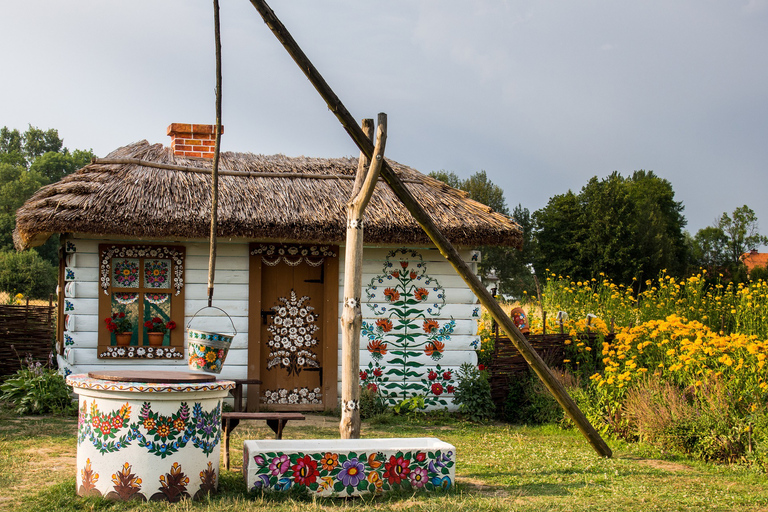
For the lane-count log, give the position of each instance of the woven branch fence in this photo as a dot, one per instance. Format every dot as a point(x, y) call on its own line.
point(25, 330)
point(508, 365)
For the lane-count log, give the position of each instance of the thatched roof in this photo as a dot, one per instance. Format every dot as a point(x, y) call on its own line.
point(289, 199)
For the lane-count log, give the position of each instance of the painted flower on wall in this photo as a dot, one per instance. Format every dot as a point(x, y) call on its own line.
point(292, 332)
point(409, 329)
point(125, 273)
point(156, 273)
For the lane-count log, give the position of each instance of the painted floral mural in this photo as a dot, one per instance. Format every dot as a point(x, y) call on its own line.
point(350, 473)
point(291, 331)
point(408, 336)
point(159, 434)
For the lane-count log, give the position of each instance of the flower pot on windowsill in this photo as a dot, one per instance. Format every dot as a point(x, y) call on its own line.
point(123, 338)
point(155, 338)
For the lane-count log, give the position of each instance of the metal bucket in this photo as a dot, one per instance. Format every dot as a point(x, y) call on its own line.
point(206, 351)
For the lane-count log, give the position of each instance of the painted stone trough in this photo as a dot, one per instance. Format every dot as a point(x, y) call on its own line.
point(148, 435)
point(349, 467)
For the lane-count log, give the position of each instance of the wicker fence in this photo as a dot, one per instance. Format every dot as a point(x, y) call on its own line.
point(508, 365)
point(25, 330)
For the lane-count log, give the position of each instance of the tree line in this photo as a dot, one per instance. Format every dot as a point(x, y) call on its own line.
point(625, 228)
point(29, 160)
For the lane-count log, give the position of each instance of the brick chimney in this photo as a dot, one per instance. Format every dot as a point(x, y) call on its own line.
point(196, 140)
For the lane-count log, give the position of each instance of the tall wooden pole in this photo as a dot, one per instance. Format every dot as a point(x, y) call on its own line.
point(444, 246)
point(216, 152)
point(352, 315)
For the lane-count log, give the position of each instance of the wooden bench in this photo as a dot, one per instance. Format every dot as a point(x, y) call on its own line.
point(229, 420)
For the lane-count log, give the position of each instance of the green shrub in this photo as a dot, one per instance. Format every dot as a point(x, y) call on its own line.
point(529, 402)
point(26, 272)
point(473, 394)
point(371, 403)
point(37, 389)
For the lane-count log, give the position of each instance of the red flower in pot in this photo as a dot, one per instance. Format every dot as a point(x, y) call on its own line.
point(119, 324)
point(156, 330)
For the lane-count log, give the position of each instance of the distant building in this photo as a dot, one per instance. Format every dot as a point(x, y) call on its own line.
point(753, 259)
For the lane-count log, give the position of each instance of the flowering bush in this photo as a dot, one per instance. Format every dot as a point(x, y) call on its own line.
point(686, 368)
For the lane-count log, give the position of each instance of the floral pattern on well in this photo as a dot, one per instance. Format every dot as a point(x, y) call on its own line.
point(159, 434)
point(345, 474)
point(295, 396)
point(156, 273)
point(173, 485)
point(125, 273)
point(291, 335)
point(207, 482)
point(408, 334)
point(127, 485)
point(101, 429)
point(88, 478)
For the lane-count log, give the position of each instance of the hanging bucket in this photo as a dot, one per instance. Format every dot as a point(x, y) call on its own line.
point(206, 351)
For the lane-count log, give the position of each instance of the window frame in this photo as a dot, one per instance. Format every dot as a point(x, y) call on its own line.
point(176, 254)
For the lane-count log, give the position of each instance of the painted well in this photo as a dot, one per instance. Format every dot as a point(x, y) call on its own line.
point(148, 441)
point(349, 467)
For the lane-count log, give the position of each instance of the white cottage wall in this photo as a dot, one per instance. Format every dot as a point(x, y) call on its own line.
point(231, 294)
point(460, 306)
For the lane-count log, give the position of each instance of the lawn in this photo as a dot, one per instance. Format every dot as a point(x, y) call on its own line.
point(500, 467)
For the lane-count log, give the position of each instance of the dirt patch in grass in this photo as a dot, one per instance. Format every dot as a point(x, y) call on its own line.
point(663, 465)
point(480, 487)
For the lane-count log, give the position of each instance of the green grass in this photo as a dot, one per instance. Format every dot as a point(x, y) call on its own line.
point(500, 467)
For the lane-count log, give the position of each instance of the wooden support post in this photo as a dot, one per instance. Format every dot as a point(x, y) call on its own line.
point(427, 224)
point(352, 315)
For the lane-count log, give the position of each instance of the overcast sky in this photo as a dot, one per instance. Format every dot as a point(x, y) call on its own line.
point(541, 95)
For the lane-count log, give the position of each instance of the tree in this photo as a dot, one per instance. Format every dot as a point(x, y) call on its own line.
point(709, 248)
point(741, 233)
point(26, 272)
point(511, 266)
point(54, 166)
point(622, 227)
point(16, 186)
point(28, 161)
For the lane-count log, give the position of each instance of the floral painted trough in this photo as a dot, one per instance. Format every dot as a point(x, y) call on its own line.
point(349, 467)
point(148, 435)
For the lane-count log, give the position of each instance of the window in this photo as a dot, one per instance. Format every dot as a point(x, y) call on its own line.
point(139, 284)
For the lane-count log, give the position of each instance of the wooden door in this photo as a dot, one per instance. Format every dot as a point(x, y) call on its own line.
point(297, 334)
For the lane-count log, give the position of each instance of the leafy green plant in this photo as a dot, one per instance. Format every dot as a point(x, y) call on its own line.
point(37, 389)
point(411, 406)
point(529, 402)
point(473, 394)
point(371, 403)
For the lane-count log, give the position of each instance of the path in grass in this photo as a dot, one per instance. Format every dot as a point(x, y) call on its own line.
point(499, 467)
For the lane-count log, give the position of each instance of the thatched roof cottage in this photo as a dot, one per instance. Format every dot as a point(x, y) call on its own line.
point(135, 229)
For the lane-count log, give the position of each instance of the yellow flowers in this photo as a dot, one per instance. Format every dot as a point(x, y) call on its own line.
point(682, 352)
